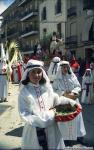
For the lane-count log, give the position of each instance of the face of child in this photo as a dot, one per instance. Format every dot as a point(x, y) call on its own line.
point(88, 73)
point(35, 75)
point(64, 69)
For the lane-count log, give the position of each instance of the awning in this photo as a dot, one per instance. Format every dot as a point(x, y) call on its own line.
point(86, 27)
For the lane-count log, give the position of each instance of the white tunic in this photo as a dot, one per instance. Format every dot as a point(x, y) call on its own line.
point(53, 68)
point(3, 81)
point(15, 73)
point(87, 89)
point(34, 110)
point(53, 44)
point(74, 128)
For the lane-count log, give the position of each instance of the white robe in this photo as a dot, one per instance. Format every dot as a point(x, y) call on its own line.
point(53, 44)
point(53, 68)
point(33, 110)
point(3, 82)
point(87, 97)
point(15, 73)
point(74, 128)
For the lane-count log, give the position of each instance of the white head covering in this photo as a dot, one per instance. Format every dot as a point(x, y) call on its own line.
point(53, 68)
point(68, 64)
point(56, 60)
point(88, 70)
point(32, 64)
point(88, 78)
point(59, 73)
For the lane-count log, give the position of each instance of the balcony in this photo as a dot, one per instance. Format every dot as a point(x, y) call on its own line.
point(72, 40)
point(88, 4)
point(27, 48)
point(22, 2)
point(12, 32)
point(71, 12)
point(28, 14)
point(29, 31)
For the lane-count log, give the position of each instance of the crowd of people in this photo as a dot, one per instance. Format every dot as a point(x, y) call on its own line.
point(41, 90)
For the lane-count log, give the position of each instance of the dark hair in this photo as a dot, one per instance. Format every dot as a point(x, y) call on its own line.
point(27, 80)
point(42, 81)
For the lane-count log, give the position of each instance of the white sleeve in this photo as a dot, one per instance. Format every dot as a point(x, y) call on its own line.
point(56, 88)
point(77, 86)
point(65, 100)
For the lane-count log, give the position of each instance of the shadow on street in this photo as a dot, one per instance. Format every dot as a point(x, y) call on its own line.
point(16, 132)
point(3, 108)
point(88, 115)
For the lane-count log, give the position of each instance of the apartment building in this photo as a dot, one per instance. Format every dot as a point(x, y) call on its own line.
point(21, 22)
point(74, 20)
point(10, 24)
point(79, 36)
point(52, 18)
point(27, 21)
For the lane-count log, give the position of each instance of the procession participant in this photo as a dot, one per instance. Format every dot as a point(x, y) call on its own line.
point(20, 70)
point(92, 71)
point(66, 83)
point(87, 87)
point(53, 68)
point(15, 77)
point(36, 103)
point(53, 43)
point(3, 81)
point(75, 66)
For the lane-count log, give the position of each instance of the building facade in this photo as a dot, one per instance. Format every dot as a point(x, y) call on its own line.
point(29, 21)
point(74, 20)
point(21, 23)
point(80, 28)
point(52, 18)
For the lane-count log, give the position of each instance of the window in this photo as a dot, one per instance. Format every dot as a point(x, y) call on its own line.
point(73, 29)
point(58, 7)
point(44, 15)
point(44, 30)
point(59, 29)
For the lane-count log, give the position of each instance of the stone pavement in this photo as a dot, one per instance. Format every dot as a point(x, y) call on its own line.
point(11, 125)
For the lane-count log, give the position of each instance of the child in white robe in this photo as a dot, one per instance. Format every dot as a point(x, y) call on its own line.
point(36, 107)
point(53, 68)
point(87, 87)
point(66, 82)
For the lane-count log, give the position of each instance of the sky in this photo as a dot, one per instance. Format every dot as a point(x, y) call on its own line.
point(4, 4)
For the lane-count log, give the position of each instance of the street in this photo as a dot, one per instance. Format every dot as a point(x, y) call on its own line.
point(11, 126)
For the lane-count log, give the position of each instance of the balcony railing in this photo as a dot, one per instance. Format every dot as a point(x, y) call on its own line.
point(71, 40)
point(22, 2)
point(27, 48)
point(29, 31)
point(29, 13)
point(71, 12)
